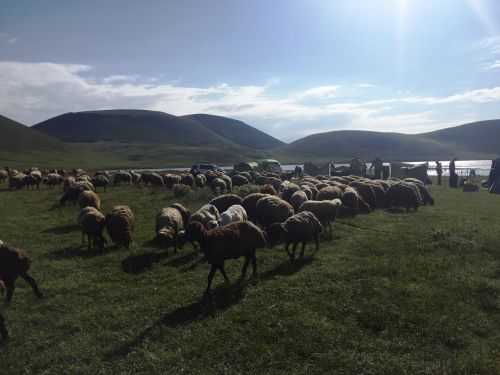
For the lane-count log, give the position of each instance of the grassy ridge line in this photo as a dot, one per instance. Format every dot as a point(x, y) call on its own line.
point(392, 294)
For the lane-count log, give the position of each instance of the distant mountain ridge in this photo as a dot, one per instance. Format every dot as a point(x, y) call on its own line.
point(142, 126)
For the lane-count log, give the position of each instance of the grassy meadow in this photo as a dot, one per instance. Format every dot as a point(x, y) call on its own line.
point(392, 293)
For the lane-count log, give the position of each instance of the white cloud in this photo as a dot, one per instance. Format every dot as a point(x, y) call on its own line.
point(7, 38)
point(32, 92)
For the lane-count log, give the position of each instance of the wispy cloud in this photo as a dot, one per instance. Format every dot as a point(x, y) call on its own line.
point(7, 38)
point(32, 92)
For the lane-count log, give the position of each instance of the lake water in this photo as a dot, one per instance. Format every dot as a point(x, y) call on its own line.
point(481, 167)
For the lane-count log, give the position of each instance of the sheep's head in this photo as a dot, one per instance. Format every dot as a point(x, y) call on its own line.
point(166, 237)
point(194, 232)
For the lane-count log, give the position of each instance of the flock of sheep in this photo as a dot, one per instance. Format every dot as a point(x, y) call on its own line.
point(285, 210)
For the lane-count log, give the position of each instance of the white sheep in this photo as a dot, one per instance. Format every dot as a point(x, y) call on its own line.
point(233, 214)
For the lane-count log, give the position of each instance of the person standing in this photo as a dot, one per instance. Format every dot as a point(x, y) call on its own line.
point(453, 173)
point(439, 171)
point(378, 165)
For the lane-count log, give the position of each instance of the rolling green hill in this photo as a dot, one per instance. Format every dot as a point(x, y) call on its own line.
point(236, 131)
point(480, 140)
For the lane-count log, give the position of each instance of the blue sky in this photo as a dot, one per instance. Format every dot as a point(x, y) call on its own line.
point(287, 67)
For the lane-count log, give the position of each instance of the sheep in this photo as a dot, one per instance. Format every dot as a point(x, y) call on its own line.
point(200, 180)
point(136, 177)
point(218, 185)
point(353, 203)
point(188, 179)
point(100, 181)
point(272, 209)
point(325, 211)
point(186, 214)
point(249, 203)
point(366, 191)
point(265, 180)
point(53, 179)
point(17, 181)
point(3, 175)
point(288, 190)
point(33, 179)
point(268, 189)
point(14, 263)
point(153, 179)
point(297, 199)
point(71, 194)
point(239, 180)
point(403, 194)
point(68, 182)
point(424, 192)
point(120, 225)
point(89, 198)
point(92, 222)
point(120, 177)
point(223, 202)
point(171, 179)
point(233, 214)
point(299, 228)
point(240, 239)
point(228, 181)
point(329, 193)
point(208, 215)
point(169, 225)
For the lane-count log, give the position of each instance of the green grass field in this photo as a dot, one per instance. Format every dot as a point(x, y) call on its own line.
point(393, 293)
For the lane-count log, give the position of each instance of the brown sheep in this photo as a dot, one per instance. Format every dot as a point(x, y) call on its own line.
point(218, 185)
point(299, 228)
point(14, 263)
point(239, 180)
point(171, 179)
point(403, 194)
point(223, 202)
point(272, 209)
point(297, 199)
point(89, 198)
point(325, 211)
point(328, 193)
point(366, 191)
point(188, 179)
point(249, 203)
point(169, 225)
point(240, 239)
point(120, 225)
point(186, 214)
point(268, 189)
point(353, 203)
point(200, 180)
point(92, 222)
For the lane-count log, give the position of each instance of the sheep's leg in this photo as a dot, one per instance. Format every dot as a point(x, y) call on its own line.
point(221, 268)
point(3, 329)
point(254, 264)
point(303, 249)
point(288, 251)
point(294, 249)
point(245, 266)
point(33, 284)
point(83, 237)
point(211, 274)
point(10, 286)
point(330, 229)
point(316, 239)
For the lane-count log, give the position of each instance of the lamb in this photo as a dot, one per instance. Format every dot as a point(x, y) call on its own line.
point(120, 225)
point(301, 227)
point(169, 227)
point(297, 199)
point(89, 198)
point(14, 263)
point(325, 211)
point(92, 222)
point(208, 215)
point(233, 214)
point(249, 203)
point(240, 239)
point(223, 202)
point(272, 209)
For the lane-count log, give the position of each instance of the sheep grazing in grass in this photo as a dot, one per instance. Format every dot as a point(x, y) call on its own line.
point(53, 179)
point(71, 194)
point(240, 239)
point(152, 179)
point(169, 227)
point(120, 225)
point(353, 203)
point(100, 181)
point(424, 192)
point(92, 222)
point(208, 215)
point(14, 263)
point(403, 194)
point(186, 214)
point(325, 211)
point(3, 175)
point(17, 181)
point(223, 202)
point(218, 185)
point(328, 193)
point(299, 228)
point(122, 177)
point(268, 189)
point(366, 192)
point(272, 209)
point(297, 199)
point(171, 179)
point(233, 214)
point(33, 179)
point(89, 198)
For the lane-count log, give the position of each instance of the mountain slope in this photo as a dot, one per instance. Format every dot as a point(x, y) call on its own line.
point(480, 140)
point(16, 137)
point(132, 126)
point(236, 131)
